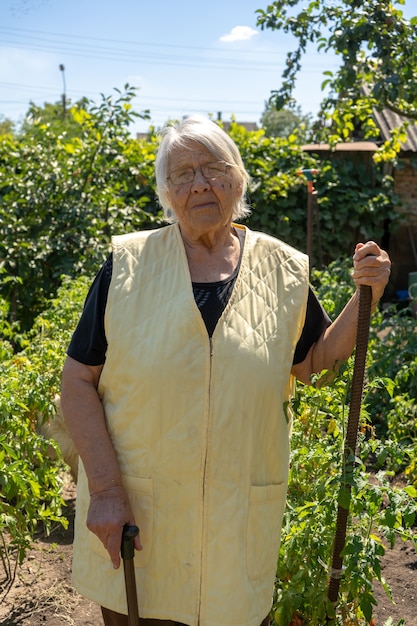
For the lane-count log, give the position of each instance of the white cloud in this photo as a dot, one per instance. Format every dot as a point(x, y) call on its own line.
point(239, 33)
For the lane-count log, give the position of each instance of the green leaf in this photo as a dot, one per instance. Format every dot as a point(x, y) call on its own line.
point(411, 491)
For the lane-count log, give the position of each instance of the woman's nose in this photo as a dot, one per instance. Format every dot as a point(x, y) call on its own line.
point(200, 182)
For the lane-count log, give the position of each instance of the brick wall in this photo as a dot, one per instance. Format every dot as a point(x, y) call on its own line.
point(405, 178)
point(403, 242)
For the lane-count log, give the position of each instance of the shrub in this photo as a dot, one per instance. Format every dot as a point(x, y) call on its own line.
point(62, 195)
point(30, 483)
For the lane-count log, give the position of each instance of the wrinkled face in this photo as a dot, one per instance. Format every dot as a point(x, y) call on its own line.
point(204, 204)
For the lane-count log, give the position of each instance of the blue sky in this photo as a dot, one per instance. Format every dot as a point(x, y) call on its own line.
point(184, 56)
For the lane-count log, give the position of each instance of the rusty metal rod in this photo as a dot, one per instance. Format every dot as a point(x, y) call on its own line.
point(362, 337)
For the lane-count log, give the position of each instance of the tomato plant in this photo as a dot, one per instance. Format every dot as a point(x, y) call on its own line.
point(381, 513)
point(30, 480)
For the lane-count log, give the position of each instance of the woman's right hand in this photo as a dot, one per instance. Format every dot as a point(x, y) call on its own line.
point(108, 512)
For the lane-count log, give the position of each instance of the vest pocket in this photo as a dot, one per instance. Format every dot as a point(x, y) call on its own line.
point(140, 492)
point(266, 508)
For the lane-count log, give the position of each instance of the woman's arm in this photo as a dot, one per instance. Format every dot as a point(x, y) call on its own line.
point(371, 266)
point(84, 414)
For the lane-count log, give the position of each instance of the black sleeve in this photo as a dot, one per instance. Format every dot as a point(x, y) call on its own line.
point(89, 344)
point(315, 323)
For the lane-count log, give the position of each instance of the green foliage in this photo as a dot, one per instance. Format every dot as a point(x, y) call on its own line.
point(378, 53)
point(285, 122)
point(30, 483)
point(276, 192)
point(6, 126)
point(394, 349)
point(392, 399)
point(54, 118)
point(65, 187)
point(68, 184)
point(333, 285)
point(347, 202)
point(376, 45)
point(6, 331)
point(349, 209)
point(62, 195)
point(380, 512)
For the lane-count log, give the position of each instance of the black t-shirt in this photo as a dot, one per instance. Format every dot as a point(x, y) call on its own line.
point(89, 344)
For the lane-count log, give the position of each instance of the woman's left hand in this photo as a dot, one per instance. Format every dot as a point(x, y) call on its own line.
point(371, 266)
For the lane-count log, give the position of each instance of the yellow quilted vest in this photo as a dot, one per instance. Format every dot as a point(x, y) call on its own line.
point(199, 429)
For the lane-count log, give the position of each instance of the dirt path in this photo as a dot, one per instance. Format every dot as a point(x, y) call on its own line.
point(42, 594)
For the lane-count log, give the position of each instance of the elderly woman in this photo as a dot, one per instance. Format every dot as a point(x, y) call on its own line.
point(190, 342)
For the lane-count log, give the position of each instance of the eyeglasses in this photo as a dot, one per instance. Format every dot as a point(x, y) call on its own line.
point(210, 171)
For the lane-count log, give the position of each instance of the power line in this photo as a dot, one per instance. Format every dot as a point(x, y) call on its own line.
point(178, 101)
point(106, 52)
point(129, 56)
point(147, 53)
point(157, 105)
point(106, 41)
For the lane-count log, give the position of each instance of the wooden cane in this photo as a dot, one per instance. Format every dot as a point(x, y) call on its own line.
point(128, 552)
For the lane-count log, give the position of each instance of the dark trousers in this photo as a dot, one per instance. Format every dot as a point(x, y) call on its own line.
point(111, 618)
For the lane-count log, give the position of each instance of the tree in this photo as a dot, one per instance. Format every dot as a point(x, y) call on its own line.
point(376, 44)
point(51, 116)
point(284, 122)
point(6, 126)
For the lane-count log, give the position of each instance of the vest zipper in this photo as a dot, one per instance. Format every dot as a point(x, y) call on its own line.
point(203, 528)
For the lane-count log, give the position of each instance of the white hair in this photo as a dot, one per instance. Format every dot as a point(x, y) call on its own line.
point(204, 131)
